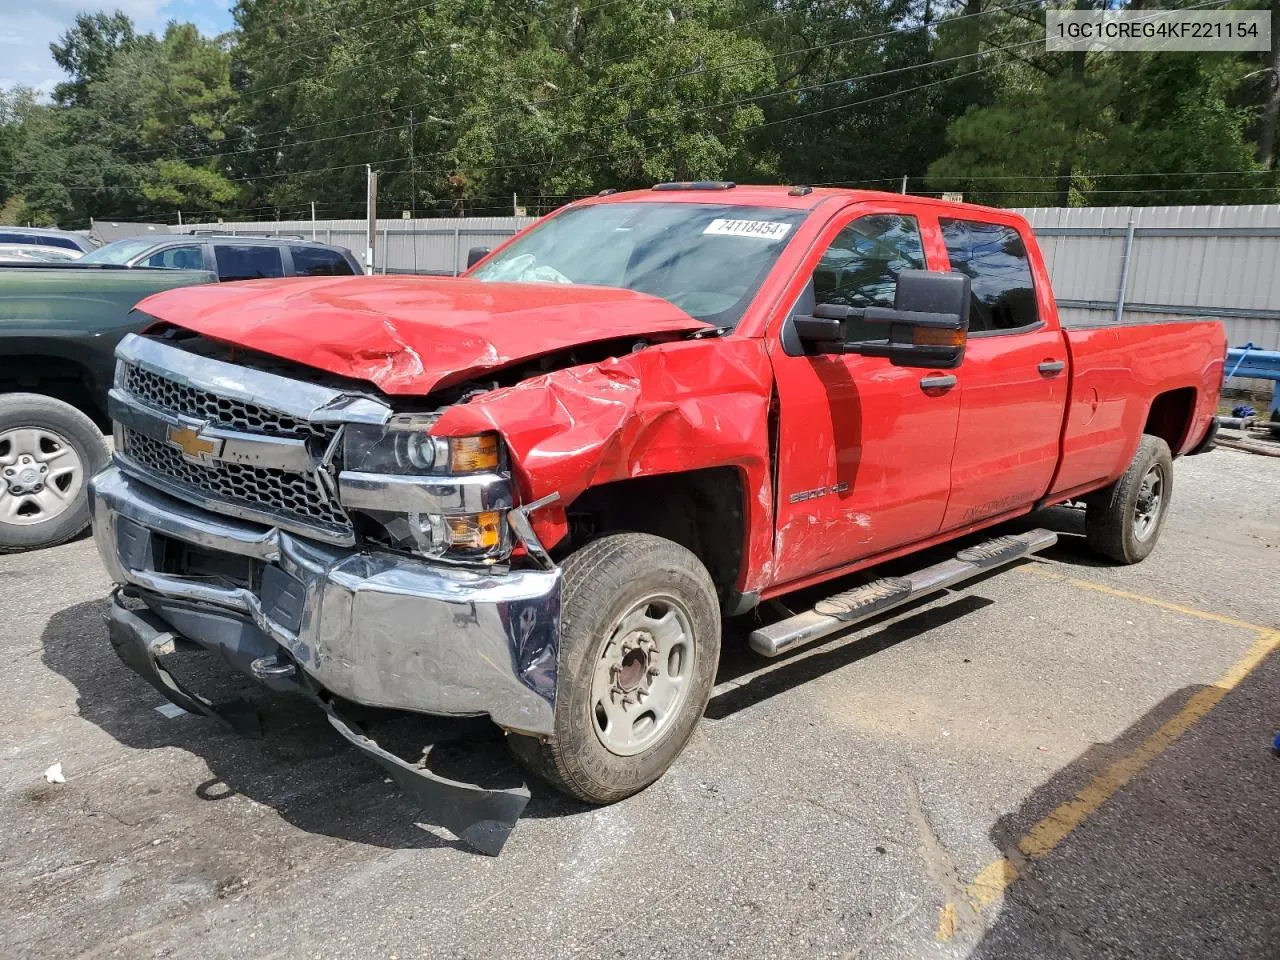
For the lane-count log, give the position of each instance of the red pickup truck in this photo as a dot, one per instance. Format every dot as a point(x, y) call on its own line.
point(532, 493)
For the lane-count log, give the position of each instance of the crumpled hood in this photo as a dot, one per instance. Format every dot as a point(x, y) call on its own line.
point(410, 335)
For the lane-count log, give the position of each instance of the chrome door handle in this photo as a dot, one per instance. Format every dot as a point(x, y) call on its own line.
point(1052, 366)
point(938, 383)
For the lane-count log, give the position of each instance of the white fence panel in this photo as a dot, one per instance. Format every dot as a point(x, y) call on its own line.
point(1184, 262)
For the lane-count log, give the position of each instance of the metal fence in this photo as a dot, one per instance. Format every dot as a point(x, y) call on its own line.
point(1167, 263)
point(1176, 262)
point(433, 246)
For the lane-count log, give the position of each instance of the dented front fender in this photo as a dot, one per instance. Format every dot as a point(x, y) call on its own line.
point(664, 409)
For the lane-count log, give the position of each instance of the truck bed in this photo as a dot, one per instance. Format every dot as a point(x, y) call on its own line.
point(1127, 379)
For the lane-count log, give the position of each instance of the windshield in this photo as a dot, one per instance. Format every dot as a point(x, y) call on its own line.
point(119, 251)
point(706, 258)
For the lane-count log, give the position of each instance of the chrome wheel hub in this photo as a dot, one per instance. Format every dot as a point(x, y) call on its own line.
point(40, 476)
point(643, 675)
point(1146, 512)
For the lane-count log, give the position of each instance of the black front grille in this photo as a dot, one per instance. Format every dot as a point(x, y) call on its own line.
point(164, 394)
point(279, 493)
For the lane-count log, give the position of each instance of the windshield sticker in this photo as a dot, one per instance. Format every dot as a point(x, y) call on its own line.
point(763, 229)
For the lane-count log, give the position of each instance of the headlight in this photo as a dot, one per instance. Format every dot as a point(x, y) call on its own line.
point(469, 536)
point(405, 447)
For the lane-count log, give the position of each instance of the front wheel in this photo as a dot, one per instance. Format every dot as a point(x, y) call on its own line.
point(639, 646)
point(48, 452)
point(1123, 522)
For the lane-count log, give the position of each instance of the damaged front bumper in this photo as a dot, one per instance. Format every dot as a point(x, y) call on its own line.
point(336, 625)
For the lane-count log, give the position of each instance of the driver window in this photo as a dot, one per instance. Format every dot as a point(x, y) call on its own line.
point(861, 267)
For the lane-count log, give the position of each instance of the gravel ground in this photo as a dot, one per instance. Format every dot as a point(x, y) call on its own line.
point(839, 802)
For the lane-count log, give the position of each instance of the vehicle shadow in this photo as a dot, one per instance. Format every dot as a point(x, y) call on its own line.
point(1182, 861)
point(881, 632)
point(1068, 524)
point(308, 773)
point(301, 767)
point(786, 672)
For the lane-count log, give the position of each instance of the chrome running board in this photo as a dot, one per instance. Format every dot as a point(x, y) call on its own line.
point(861, 603)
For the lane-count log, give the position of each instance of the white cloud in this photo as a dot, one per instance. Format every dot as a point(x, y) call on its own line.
point(27, 30)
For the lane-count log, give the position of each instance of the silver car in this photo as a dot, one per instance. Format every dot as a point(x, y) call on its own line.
point(47, 237)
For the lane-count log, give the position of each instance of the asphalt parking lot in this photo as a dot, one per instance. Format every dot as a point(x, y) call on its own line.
point(1061, 760)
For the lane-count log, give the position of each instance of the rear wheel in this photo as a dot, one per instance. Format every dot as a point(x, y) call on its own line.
point(639, 646)
point(48, 452)
point(1123, 522)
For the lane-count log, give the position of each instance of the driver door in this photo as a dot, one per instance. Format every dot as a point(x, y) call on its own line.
point(864, 451)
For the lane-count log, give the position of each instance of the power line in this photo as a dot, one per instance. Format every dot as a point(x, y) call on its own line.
point(431, 101)
point(785, 91)
point(782, 91)
point(1088, 192)
point(1098, 176)
point(717, 67)
point(697, 71)
point(801, 116)
point(812, 87)
point(795, 117)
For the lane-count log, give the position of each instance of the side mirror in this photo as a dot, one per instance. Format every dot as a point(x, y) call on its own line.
point(928, 324)
point(476, 254)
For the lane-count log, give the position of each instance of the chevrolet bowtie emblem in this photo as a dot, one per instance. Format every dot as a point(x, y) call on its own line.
point(195, 448)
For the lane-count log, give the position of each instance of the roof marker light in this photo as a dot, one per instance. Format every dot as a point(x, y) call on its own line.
point(696, 185)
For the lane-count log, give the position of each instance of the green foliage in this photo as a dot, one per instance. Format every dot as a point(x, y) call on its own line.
point(87, 50)
point(1090, 129)
point(138, 138)
point(461, 103)
point(14, 211)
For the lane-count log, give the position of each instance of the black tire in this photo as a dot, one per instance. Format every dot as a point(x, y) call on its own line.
point(1113, 527)
point(73, 429)
point(604, 583)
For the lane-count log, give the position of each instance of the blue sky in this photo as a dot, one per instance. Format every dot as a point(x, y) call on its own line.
point(27, 28)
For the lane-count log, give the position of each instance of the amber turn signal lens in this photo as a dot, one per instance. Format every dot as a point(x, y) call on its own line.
point(469, 454)
point(937, 337)
point(479, 531)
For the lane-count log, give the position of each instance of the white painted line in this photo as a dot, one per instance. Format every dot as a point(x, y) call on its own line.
point(171, 710)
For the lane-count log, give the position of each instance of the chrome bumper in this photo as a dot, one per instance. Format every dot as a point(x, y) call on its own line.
point(375, 629)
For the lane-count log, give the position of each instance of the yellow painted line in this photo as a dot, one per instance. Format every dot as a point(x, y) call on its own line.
point(989, 886)
point(1037, 570)
point(947, 922)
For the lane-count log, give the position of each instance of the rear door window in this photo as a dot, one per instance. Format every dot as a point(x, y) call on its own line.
point(248, 261)
point(994, 257)
point(176, 258)
point(318, 262)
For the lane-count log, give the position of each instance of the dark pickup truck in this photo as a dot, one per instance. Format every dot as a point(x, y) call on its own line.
point(59, 327)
